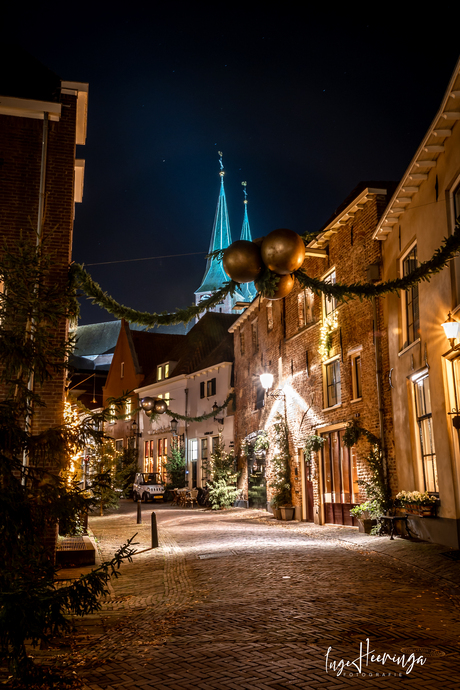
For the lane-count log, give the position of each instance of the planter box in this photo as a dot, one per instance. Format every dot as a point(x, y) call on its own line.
point(421, 510)
point(365, 525)
point(287, 513)
point(277, 513)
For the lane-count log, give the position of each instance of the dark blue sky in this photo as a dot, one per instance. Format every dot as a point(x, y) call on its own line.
point(303, 109)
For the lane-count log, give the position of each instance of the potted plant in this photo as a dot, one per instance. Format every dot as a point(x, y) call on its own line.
point(418, 503)
point(281, 482)
point(366, 514)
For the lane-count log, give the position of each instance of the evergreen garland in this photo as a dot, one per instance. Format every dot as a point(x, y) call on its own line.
point(203, 417)
point(267, 284)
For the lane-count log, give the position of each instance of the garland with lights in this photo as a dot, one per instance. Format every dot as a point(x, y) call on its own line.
point(268, 283)
point(203, 417)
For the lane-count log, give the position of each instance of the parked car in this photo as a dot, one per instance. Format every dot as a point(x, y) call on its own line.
point(148, 487)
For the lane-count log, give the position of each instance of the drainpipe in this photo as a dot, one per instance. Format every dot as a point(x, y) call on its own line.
point(186, 437)
point(41, 206)
point(378, 373)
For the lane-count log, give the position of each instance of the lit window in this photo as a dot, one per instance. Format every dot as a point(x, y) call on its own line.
point(332, 383)
point(356, 376)
point(167, 370)
point(410, 301)
point(194, 449)
point(425, 429)
point(269, 316)
point(329, 303)
point(305, 307)
point(160, 373)
point(128, 407)
point(204, 448)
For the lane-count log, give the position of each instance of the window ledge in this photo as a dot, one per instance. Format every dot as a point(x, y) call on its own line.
point(408, 347)
point(334, 407)
point(355, 400)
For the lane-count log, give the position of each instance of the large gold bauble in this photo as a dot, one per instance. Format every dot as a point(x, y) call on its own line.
point(242, 261)
point(285, 285)
point(283, 251)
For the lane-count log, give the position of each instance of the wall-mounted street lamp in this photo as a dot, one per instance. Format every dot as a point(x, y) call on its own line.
point(452, 331)
point(173, 425)
point(215, 408)
point(266, 379)
point(153, 406)
point(135, 430)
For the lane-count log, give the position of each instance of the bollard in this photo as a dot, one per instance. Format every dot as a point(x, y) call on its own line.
point(154, 531)
point(139, 513)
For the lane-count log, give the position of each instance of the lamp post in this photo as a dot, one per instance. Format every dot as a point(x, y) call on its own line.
point(173, 424)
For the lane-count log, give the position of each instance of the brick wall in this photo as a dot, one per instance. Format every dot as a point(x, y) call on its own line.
point(285, 344)
point(20, 152)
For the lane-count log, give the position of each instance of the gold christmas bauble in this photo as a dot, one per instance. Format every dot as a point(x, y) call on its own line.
point(283, 251)
point(285, 285)
point(242, 261)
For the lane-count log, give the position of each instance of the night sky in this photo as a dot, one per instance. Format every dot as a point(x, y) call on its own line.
point(302, 108)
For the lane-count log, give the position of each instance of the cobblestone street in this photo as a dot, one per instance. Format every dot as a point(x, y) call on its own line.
point(237, 600)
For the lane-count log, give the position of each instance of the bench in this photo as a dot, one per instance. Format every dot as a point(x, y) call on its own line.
point(389, 522)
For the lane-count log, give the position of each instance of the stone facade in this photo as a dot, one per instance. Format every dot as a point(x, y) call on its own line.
point(283, 338)
point(425, 381)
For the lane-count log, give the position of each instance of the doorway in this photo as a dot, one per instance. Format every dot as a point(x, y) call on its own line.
point(340, 490)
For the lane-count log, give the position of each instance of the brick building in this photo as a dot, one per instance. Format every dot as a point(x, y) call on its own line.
point(324, 358)
point(42, 119)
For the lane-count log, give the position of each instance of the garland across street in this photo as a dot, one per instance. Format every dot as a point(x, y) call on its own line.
point(81, 279)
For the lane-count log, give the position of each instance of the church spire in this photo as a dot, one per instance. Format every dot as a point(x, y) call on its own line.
point(248, 289)
point(245, 230)
point(214, 275)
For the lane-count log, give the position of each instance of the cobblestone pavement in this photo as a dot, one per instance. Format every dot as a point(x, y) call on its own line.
point(237, 600)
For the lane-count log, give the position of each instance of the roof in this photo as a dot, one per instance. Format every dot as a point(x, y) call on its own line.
point(153, 349)
point(214, 275)
point(425, 159)
point(363, 191)
point(26, 77)
point(101, 338)
point(208, 343)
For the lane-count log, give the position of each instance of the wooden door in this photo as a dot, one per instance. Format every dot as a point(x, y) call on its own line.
point(339, 479)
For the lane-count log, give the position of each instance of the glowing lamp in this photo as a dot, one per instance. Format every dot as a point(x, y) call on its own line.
point(451, 329)
point(266, 380)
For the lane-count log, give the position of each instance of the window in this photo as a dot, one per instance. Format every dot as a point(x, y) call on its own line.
point(241, 343)
point(260, 396)
point(425, 432)
point(356, 376)
point(128, 407)
point(269, 316)
point(204, 460)
point(162, 456)
point(160, 373)
point(193, 449)
point(208, 388)
point(332, 392)
point(122, 370)
point(255, 337)
point(305, 307)
point(215, 444)
point(329, 303)
point(166, 370)
point(119, 445)
point(410, 301)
